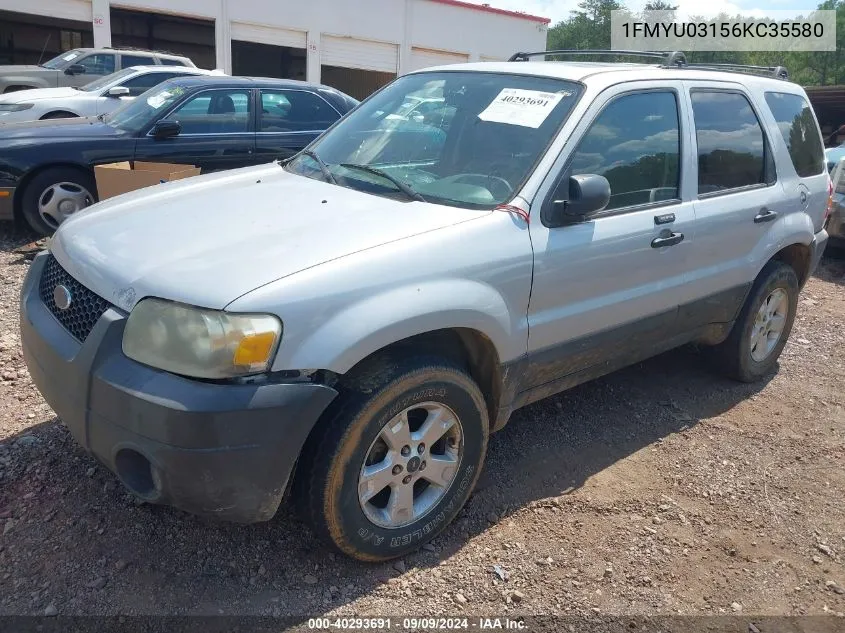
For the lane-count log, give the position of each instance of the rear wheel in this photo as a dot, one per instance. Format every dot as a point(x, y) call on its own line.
point(54, 195)
point(395, 458)
point(760, 333)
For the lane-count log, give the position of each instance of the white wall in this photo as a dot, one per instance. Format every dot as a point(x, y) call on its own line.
point(424, 23)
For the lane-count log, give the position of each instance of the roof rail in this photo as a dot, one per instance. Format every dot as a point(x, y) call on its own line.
point(778, 72)
point(143, 50)
point(674, 58)
point(670, 60)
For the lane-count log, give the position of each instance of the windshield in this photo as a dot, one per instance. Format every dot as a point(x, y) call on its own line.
point(136, 114)
point(457, 138)
point(62, 61)
point(102, 82)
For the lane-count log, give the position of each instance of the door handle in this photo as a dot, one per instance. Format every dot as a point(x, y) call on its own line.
point(765, 216)
point(667, 239)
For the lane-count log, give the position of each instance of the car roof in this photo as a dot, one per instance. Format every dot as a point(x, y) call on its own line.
point(246, 82)
point(606, 74)
point(188, 70)
point(94, 49)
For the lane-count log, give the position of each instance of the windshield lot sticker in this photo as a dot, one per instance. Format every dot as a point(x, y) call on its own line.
point(156, 101)
point(70, 56)
point(528, 108)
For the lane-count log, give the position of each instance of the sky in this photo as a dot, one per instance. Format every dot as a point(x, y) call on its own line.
point(559, 10)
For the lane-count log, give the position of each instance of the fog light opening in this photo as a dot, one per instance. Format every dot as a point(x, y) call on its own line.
point(136, 473)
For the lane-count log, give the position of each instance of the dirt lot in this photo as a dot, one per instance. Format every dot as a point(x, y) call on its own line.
point(663, 489)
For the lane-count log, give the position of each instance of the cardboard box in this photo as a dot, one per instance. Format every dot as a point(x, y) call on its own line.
point(114, 179)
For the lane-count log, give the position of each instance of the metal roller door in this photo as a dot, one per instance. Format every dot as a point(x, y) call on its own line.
point(272, 35)
point(425, 57)
point(348, 52)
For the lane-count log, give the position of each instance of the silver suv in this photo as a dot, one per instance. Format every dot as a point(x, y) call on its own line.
point(351, 325)
point(80, 66)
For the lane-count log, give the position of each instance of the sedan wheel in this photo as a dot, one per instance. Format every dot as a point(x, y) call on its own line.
point(61, 200)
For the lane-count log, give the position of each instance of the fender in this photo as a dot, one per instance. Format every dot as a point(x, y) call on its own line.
point(364, 327)
point(793, 228)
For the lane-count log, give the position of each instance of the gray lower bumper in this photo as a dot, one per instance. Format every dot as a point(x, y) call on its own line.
point(226, 450)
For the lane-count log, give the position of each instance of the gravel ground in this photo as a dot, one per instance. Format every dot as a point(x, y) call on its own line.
point(662, 489)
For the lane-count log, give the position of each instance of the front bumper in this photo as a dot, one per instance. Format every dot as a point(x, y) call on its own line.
point(7, 206)
point(225, 450)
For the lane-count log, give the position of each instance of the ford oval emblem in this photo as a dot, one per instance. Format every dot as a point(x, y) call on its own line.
point(62, 297)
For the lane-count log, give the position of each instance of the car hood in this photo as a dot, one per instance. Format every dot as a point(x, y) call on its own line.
point(23, 69)
point(208, 240)
point(36, 94)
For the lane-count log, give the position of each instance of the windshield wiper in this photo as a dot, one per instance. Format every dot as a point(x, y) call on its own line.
point(403, 187)
point(321, 164)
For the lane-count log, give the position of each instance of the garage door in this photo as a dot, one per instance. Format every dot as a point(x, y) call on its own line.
point(348, 52)
point(425, 57)
point(261, 34)
point(66, 9)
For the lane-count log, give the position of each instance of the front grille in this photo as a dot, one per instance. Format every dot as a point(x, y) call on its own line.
point(85, 307)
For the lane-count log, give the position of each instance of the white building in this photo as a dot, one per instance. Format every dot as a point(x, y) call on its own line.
point(355, 45)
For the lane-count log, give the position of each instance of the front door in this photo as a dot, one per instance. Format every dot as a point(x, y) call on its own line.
point(609, 287)
point(217, 132)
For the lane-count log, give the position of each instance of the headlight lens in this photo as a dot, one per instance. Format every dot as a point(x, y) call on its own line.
point(15, 107)
point(200, 343)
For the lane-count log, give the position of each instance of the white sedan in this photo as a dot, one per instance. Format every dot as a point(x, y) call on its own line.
point(98, 97)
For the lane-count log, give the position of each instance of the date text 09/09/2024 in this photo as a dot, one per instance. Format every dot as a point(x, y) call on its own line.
point(416, 624)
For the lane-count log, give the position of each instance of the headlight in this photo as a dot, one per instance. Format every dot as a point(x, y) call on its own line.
point(15, 107)
point(200, 343)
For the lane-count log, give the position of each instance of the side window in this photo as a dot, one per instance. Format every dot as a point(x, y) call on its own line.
point(136, 60)
point(294, 111)
point(215, 112)
point(799, 131)
point(98, 64)
point(141, 83)
point(635, 144)
point(169, 61)
point(732, 150)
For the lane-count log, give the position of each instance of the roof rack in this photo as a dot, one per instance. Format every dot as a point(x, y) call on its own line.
point(778, 72)
point(674, 59)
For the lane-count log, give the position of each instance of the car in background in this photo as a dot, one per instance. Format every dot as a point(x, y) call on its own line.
point(213, 122)
point(835, 223)
point(80, 66)
point(101, 96)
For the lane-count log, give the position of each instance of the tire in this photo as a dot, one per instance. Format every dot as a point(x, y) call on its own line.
point(736, 356)
point(352, 431)
point(75, 185)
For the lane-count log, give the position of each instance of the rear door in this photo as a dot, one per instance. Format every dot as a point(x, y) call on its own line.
point(738, 194)
point(608, 289)
point(288, 120)
point(217, 132)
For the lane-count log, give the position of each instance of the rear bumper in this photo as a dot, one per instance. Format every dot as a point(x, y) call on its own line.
point(226, 450)
point(7, 206)
point(817, 247)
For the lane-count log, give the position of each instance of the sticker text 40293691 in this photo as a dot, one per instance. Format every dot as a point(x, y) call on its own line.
point(528, 108)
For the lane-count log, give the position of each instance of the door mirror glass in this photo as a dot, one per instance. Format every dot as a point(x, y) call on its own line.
point(119, 91)
point(166, 129)
point(577, 199)
point(75, 69)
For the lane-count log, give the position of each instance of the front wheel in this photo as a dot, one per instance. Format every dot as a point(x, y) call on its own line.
point(54, 195)
point(395, 458)
point(762, 329)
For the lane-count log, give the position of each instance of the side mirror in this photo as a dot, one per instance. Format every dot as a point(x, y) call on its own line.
point(118, 91)
point(75, 69)
point(166, 129)
point(585, 195)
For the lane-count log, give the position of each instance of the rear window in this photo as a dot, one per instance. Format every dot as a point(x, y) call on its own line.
point(798, 128)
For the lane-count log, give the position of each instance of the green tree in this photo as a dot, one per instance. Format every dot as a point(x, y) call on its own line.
point(659, 5)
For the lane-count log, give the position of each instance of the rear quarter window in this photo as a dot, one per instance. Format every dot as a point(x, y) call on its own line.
point(799, 131)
